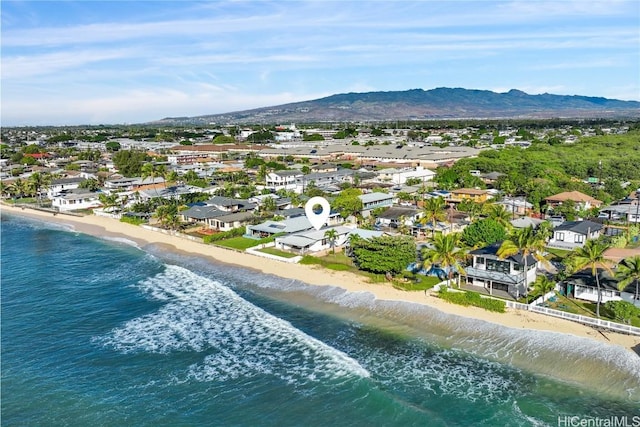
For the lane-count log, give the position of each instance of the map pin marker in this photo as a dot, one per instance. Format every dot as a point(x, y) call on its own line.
point(317, 219)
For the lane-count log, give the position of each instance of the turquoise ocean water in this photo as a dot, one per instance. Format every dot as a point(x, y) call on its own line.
point(98, 332)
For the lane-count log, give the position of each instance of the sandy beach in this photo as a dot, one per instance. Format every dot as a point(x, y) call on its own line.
point(518, 319)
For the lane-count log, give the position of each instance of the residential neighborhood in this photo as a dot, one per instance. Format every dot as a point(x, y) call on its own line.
point(386, 188)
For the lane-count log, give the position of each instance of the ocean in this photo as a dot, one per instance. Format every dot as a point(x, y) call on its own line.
point(99, 332)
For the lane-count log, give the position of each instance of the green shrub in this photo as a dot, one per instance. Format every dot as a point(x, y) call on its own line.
point(236, 232)
point(472, 298)
point(133, 220)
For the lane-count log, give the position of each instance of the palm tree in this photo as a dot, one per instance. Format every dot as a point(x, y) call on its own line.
point(470, 207)
point(351, 240)
point(402, 225)
point(445, 252)
point(433, 211)
point(108, 200)
point(168, 216)
point(543, 285)
point(592, 255)
point(171, 176)
point(38, 181)
point(525, 242)
point(190, 176)
point(499, 214)
point(19, 187)
point(161, 170)
point(4, 189)
point(628, 271)
point(331, 235)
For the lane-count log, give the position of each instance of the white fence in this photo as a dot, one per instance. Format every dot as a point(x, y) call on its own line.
point(618, 327)
point(255, 251)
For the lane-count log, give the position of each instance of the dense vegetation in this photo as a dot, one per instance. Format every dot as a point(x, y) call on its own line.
point(547, 168)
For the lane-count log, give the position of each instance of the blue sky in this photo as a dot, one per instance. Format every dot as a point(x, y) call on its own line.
point(113, 62)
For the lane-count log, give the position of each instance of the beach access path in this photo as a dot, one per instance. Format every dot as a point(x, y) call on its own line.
point(315, 275)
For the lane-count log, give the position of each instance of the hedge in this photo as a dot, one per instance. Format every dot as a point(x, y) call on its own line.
point(236, 232)
point(472, 298)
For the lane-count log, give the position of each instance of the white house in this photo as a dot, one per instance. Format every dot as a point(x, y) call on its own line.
point(76, 200)
point(582, 285)
point(270, 228)
point(316, 240)
point(489, 271)
point(573, 234)
point(60, 186)
point(399, 176)
point(283, 180)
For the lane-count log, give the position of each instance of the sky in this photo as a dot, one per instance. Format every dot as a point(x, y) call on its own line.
point(117, 62)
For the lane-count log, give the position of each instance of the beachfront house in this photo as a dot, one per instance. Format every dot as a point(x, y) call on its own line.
point(582, 285)
point(73, 200)
point(489, 271)
point(61, 186)
point(270, 228)
point(574, 234)
point(312, 241)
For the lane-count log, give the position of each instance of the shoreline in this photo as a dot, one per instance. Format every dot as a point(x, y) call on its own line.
point(315, 275)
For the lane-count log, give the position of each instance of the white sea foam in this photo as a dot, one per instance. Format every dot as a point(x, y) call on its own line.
point(122, 240)
point(239, 338)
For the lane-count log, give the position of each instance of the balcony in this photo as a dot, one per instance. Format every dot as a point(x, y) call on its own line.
point(494, 276)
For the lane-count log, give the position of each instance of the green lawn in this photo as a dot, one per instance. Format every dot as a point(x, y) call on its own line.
point(340, 262)
point(419, 283)
point(277, 252)
point(240, 243)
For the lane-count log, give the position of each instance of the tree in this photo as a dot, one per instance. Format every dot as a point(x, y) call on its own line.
point(628, 272)
point(483, 233)
point(171, 176)
point(445, 253)
point(591, 255)
point(384, 254)
point(498, 213)
point(470, 207)
point(622, 310)
point(90, 184)
point(19, 188)
point(38, 181)
point(543, 285)
point(112, 146)
point(268, 204)
point(190, 177)
point(108, 200)
point(331, 235)
point(129, 162)
point(168, 216)
point(348, 203)
point(525, 242)
point(433, 212)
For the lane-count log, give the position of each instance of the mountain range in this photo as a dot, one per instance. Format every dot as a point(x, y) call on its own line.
point(418, 104)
